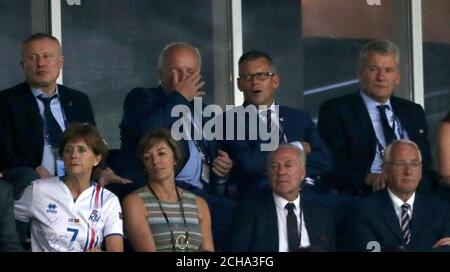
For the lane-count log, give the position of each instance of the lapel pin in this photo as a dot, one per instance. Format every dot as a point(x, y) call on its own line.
point(421, 131)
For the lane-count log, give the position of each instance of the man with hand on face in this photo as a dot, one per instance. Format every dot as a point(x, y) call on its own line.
point(147, 109)
point(399, 218)
point(358, 127)
point(259, 81)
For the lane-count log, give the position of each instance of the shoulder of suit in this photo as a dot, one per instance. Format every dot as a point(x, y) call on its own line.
point(69, 91)
point(293, 111)
point(12, 91)
point(403, 102)
point(341, 100)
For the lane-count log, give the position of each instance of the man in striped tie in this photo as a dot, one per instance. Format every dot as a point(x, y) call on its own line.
point(399, 218)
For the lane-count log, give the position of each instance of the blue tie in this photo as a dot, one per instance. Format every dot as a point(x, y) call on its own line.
point(406, 224)
point(389, 134)
point(52, 128)
point(292, 228)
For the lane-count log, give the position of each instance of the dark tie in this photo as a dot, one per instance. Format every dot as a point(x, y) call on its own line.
point(406, 224)
point(292, 227)
point(389, 134)
point(52, 127)
point(269, 120)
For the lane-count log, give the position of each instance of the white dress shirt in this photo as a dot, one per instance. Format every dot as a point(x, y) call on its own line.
point(280, 203)
point(48, 157)
point(374, 114)
point(397, 202)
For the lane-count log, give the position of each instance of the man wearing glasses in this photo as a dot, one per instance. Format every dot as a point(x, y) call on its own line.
point(259, 82)
point(398, 217)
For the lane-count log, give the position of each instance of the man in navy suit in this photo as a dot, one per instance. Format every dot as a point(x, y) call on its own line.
point(146, 109)
point(25, 149)
point(263, 224)
point(399, 218)
point(353, 127)
point(259, 82)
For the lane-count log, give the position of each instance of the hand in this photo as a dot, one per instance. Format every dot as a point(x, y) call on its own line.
point(442, 242)
point(43, 172)
point(377, 181)
point(108, 176)
point(222, 164)
point(306, 147)
point(188, 87)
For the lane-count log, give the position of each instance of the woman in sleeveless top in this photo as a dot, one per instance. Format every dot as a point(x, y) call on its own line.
point(444, 151)
point(160, 216)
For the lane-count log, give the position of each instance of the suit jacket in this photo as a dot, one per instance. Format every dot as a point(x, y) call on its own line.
point(9, 240)
point(21, 133)
point(147, 109)
point(255, 225)
point(375, 220)
point(346, 127)
point(250, 163)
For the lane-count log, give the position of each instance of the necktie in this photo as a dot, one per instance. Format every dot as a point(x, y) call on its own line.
point(269, 120)
point(406, 224)
point(389, 134)
point(52, 127)
point(292, 227)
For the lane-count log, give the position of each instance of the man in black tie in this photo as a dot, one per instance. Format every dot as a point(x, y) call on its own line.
point(282, 219)
point(357, 127)
point(399, 218)
point(34, 114)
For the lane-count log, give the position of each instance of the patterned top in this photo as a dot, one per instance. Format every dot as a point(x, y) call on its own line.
point(161, 230)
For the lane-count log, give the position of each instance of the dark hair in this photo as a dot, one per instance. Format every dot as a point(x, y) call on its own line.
point(91, 137)
point(255, 54)
point(40, 36)
point(155, 137)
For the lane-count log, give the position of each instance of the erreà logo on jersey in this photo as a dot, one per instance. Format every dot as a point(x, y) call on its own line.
point(51, 208)
point(95, 216)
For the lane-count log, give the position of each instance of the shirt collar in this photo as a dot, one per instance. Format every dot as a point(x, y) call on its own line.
point(398, 202)
point(281, 202)
point(372, 104)
point(37, 92)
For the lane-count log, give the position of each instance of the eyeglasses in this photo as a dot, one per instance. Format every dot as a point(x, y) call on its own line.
point(403, 164)
point(258, 76)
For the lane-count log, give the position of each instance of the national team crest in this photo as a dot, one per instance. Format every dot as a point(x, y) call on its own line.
point(95, 216)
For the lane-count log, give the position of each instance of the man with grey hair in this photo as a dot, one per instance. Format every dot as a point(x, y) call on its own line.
point(398, 217)
point(147, 109)
point(281, 219)
point(358, 127)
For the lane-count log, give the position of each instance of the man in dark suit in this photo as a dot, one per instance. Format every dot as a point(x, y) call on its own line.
point(259, 81)
point(9, 240)
point(399, 218)
point(25, 132)
point(357, 127)
point(264, 223)
point(147, 109)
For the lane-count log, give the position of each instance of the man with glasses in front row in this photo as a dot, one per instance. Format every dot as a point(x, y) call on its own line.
point(259, 81)
point(398, 218)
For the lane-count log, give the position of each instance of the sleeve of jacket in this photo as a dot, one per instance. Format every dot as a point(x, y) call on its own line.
point(319, 161)
point(333, 132)
point(8, 159)
point(242, 228)
point(144, 111)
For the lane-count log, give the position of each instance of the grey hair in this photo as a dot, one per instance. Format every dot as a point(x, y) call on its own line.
point(300, 152)
point(388, 150)
point(163, 54)
point(380, 46)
